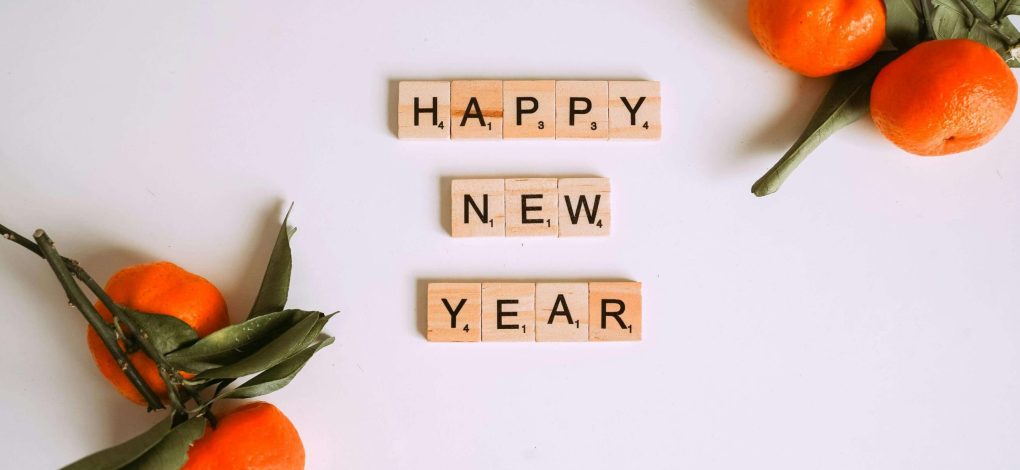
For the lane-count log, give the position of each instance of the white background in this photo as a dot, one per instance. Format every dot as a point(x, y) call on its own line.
point(863, 317)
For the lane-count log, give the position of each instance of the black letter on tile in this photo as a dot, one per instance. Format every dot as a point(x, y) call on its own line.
point(633, 111)
point(500, 314)
point(418, 110)
point(520, 109)
point(454, 311)
point(573, 109)
point(616, 314)
point(560, 300)
point(483, 213)
point(476, 114)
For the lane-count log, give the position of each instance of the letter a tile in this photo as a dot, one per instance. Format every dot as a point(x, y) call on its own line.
point(454, 312)
point(584, 207)
point(508, 312)
point(531, 207)
point(635, 110)
point(561, 311)
point(423, 110)
point(614, 311)
point(476, 107)
point(478, 208)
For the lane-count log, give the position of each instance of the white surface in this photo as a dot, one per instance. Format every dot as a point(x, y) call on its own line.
point(863, 317)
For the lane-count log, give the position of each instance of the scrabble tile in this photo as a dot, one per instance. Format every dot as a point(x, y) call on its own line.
point(531, 207)
point(635, 110)
point(423, 110)
point(582, 110)
point(454, 312)
point(478, 208)
point(614, 311)
point(529, 109)
point(584, 207)
point(561, 312)
point(476, 107)
point(508, 312)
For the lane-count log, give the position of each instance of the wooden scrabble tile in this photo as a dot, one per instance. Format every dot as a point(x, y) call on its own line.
point(561, 312)
point(476, 107)
point(635, 110)
point(584, 207)
point(478, 208)
point(423, 110)
point(531, 207)
point(614, 311)
point(529, 109)
point(454, 312)
point(582, 110)
point(508, 312)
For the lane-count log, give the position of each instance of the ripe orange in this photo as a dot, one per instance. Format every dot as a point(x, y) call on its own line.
point(164, 288)
point(943, 97)
point(256, 436)
point(818, 37)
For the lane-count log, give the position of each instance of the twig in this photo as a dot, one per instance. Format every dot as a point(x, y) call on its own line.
point(45, 248)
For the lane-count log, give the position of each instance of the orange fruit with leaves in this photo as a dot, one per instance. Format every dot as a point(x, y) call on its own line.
point(818, 37)
point(943, 97)
point(163, 288)
point(256, 436)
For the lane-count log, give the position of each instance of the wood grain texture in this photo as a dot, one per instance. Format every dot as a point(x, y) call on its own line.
point(614, 311)
point(463, 299)
point(508, 311)
point(589, 101)
point(635, 110)
point(533, 104)
point(430, 95)
point(478, 208)
point(531, 207)
point(569, 302)
point(584, 207)
point(476, 108)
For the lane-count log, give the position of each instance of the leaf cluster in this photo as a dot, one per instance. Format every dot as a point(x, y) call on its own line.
point(271, 346)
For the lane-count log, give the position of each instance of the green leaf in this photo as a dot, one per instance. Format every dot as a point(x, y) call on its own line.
point(983, 21)
point(269, 355)
point(172, 451)
point(166, 333)
point(903, 25)
point(846, 102)
point(277, 376)
point(272, 296)
point(228, 343)
point(120, 455)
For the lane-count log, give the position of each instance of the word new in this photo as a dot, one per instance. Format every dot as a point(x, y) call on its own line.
point(595, 311)
point(537, 207)
point(529, 109)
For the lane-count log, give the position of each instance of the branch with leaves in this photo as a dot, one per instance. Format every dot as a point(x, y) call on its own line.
point(272, 346)
point(908, 23)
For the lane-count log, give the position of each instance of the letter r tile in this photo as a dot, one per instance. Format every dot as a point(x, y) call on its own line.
point(614, 311)
point(508, 311)
point(454, 312)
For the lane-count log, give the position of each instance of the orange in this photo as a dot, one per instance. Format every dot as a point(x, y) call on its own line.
point(256, 436)
point(818, 37)
point(164, 288)
point(943, 97)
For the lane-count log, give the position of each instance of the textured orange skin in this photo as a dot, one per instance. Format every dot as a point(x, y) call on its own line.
point(943, 97)
point(165, 288)
point(256, 436)
point(817, 38)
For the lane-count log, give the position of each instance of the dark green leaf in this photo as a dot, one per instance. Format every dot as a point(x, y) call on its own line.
point(845, 103)
point(228, 343)
point(127, 452)
point(166, 333)
point(277, 376)
point(903, 23)
point(269, 355)
point(272, 296)
point(172, 452)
